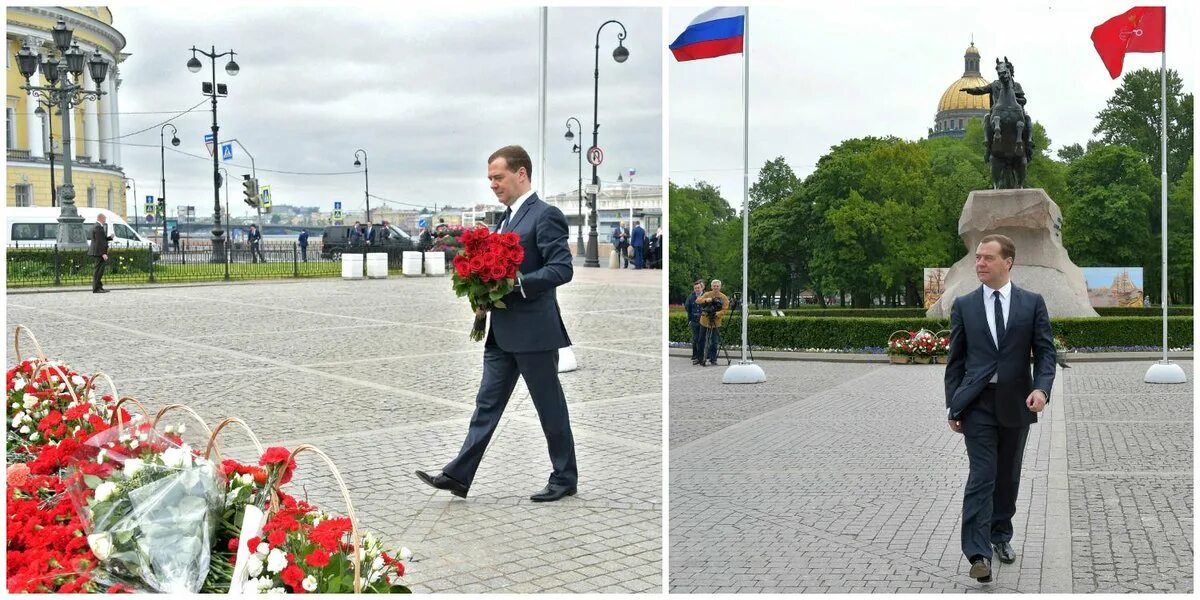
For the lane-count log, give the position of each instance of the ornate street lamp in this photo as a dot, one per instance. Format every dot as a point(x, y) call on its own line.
point(620, 54)
point(214, 90)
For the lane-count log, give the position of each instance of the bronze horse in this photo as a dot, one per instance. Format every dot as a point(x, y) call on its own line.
point(1008, 134)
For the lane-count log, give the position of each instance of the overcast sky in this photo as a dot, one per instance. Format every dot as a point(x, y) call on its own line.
point(820, 74)
point(428, 93)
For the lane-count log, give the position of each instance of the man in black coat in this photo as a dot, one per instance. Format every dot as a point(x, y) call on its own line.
point(99, 249)
point(992, 396)
point(693, 315)
point(524, 338)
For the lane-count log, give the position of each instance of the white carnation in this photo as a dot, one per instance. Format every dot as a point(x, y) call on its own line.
point(30, 401)
point(34, 437)
point(309, 584)
point(101, 545)
point(405, 553)
point(181, 429)
point(77, 380)
point(132, 466)
point(25, 429)
point(176, 458)
point(105, 491)
point(262, 548)
point(18, 383)
point(276, 560)
point(17, 419)
point(254, 565)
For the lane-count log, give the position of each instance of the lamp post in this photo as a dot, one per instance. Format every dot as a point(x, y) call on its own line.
point(225, 180)
point(40, 112)
point(620, 54)
point(366, 179)
point(162, 165)
point(135, 214)
point(64, 94)
point(579, 159)
point(213, 90)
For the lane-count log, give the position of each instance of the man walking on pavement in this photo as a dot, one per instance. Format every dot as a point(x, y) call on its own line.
point(99, 249)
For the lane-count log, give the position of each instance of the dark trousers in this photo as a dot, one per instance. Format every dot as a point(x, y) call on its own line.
point(98, 274)
point(256, 252)
point(638, 258)
point(500, 372)
point(697, 340)
point(304, 253)
point(711, 341)
point(990, 499)
point(623, 249)
point(175, 243)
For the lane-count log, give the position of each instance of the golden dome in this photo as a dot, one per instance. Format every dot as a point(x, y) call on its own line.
point(953, 99)
point(972, 50)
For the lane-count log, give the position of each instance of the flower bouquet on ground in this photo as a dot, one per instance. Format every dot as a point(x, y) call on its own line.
point(485, 270)
point(298, 548)
point(150, 508)
point(899, 348)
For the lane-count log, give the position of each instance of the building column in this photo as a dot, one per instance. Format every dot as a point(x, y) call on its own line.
point(114, 103)
point(91, 125)
point(106, 155)
point(33, 128)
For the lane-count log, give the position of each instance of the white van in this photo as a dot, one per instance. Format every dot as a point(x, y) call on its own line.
point(37, 227)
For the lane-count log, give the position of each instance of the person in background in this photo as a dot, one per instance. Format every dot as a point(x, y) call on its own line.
point(693, 314)
point(639, 245)
point(304, 244)
point(99, 249)
point(255, 239)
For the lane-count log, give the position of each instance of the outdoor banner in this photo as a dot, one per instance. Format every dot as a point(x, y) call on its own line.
point(1114, 286)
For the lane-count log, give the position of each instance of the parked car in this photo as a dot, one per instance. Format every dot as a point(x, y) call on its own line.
point(337, 240)
point(37, 227)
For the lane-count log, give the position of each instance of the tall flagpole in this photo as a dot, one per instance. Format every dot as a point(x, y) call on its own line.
point(1164, 196)
point(543, 17)
point(745, 371)
point(745, 177)
point(1164, 371)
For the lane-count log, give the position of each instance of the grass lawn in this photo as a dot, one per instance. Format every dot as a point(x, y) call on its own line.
point(197, 272)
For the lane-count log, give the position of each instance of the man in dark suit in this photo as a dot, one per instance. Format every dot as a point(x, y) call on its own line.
point(304, 244)
point(368, 234)
point(524, 338)
point(639, 245)
point(99, 249)
point(255, 239)
point(693, 315)
point(992, 396)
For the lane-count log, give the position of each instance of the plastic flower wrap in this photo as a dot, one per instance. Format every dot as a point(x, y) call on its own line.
point(150, 508)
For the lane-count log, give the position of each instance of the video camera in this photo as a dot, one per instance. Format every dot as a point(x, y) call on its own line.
point(712, 307)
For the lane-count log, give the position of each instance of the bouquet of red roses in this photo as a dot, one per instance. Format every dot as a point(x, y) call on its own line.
point(485, 270)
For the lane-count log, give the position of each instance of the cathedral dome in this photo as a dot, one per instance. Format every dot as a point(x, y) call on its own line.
point(953, 99)
point(955, 107)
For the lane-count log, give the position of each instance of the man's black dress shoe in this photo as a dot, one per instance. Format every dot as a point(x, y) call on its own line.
point(442, 482)
point(552, 492)
point(981, 569)
point(1005, 551)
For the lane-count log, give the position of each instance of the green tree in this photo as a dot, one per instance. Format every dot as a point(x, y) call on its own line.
point(697, 215)
point(1180, 241)
point(1111, 218)
point(776, 181)
point(1133, 118)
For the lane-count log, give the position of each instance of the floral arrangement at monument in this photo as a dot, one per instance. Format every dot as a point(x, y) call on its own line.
point(104, 502)
point(921, 347)
point(485, 270)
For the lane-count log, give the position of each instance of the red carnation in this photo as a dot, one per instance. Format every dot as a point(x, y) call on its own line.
point(277, 538)
point(277, 456)
point(293, 576)
point(319, 558)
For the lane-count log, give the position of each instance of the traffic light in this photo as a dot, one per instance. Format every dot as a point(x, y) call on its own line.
point(250, 189)
point(162, 208)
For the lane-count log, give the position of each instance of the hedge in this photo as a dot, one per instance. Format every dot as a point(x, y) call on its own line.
point(907, 312)
point(26, 263)
point(858, 332)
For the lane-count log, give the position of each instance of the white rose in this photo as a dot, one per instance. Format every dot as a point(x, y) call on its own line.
point(182, 428)
point(105, 491)
point(77, 380)
point(405, 553)
point(276, 560)
point(16, 406)
point(18, 383)
point(254, 565)
point(54, 379)
point(170, 429)
point(34, 437)
point(30, 401)
point(177, 458)
point(262, 548)
point(309, 584)
point(246, 479)
point(101, 545)
point(25, 429)
point(132, 466)
point(17, 419)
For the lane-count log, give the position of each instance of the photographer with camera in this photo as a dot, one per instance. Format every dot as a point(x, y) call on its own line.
point(714, 307)
point(693, 313)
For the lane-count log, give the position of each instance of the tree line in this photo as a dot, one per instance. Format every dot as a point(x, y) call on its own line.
point(860, 229)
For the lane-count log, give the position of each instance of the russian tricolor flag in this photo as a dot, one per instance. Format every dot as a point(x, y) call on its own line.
point(716, 32)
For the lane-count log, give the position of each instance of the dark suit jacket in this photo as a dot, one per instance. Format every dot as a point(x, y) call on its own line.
point(639, 237)
point(692, 308)
point(532, 321)
point(974, 357)
point(100, 239)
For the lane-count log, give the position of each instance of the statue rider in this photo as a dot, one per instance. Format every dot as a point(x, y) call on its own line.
point(994, 89)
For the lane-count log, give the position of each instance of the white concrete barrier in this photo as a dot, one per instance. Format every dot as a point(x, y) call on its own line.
point(352, 266)
point(377, 265)
point(411, 264)
point(435, 263)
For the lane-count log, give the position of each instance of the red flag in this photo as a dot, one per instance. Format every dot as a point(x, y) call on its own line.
point(1140, 29)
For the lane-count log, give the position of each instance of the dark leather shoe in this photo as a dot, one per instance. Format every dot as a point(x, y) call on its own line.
point(981, 569)
point(1005, 551)
point(553, 492)
point(442, 482)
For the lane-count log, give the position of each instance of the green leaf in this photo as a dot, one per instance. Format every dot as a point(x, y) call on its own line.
point(499, 304)
point(92, 481)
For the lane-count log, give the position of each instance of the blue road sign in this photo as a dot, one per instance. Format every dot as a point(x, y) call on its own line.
point(227, 151)
point(208, 138)
point(422, 223)
point(337, 205)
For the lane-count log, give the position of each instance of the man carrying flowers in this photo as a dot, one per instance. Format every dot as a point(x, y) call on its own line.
point(525, 334)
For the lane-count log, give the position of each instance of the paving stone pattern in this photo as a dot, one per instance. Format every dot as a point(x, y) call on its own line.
point(836, 477)
point(381, 376)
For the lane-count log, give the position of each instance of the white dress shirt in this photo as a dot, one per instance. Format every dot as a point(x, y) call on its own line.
point(989, 309)
point(516, 206)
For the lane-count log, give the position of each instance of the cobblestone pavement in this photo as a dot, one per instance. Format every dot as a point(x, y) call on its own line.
point(380, 375)
point(836, 477)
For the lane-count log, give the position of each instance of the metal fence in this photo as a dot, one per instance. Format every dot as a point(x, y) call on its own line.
point(192, 261)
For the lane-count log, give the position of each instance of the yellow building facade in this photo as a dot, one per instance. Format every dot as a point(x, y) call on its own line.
point(33, 134)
